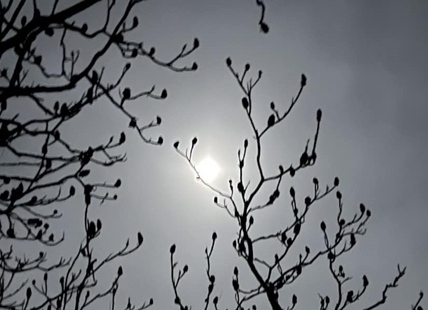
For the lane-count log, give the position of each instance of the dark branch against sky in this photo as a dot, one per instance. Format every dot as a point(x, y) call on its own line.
point(366, 68)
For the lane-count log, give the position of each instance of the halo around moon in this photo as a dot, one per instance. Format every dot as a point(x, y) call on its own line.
point(208, 169)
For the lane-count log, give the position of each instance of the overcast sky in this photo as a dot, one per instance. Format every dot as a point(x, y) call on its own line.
point(367, 70)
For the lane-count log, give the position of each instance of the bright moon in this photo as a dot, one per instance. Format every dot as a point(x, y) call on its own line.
point(208, 169)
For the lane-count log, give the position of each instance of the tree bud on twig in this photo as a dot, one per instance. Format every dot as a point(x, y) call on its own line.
point(319, 114)
point(139, 238)
point(164, 94)
point(365, 281)
point(292, 171)
point(196, 43)
point(235, 285)
point(135, 22)
point(126, 93)
point(303, 81)
point(264, 28)
point(245, 103)
point(336, 181)
point(271, 120)
point(294, 299)
point(235, 271)
point(29, 293)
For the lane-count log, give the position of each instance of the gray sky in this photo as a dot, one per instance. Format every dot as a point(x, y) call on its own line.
point(367, 69)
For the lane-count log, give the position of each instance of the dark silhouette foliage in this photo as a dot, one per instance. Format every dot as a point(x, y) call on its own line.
point(34, 181)
point(273, 276)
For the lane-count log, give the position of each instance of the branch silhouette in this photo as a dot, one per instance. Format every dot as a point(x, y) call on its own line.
point(35, 181)
point(275, 275)
point(264, 28)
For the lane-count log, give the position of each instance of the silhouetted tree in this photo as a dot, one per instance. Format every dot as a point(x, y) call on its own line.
point(239, 202)
point(40, 167)
point(37, 176)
